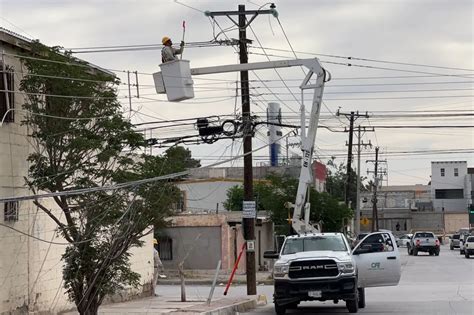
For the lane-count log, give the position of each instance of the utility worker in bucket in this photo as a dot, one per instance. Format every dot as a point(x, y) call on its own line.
point(168, 53)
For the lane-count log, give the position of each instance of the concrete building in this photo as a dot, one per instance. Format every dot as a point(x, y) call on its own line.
point(201, 240)
point(31, 270)
point(441, 206)
point(450, 186)
point(401, 208)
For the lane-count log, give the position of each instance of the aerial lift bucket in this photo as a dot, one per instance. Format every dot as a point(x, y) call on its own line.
point(175, 80)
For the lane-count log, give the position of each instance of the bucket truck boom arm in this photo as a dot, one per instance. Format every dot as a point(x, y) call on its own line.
point(308, 136)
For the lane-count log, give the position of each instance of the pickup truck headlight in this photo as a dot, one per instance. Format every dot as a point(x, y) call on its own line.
point(346, 267)
point(280, 270)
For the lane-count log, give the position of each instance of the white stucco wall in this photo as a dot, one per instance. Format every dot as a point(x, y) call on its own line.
point(449, 181)
point(205, 195)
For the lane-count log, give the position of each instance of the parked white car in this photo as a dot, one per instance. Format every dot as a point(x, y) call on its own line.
point(469, 246)
point(462, 241)
point(404, 240)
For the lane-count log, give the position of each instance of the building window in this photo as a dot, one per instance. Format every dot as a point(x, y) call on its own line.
point(7, 97)
point(449, 193)
point(442, 172)
point(10, 211)
point(456, 172)
point(165, 248)
point(180, 205)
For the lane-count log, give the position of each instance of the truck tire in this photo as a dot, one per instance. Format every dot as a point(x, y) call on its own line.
point(409, 250)
point(361, 297)
point(280, 309)
point(353, 305)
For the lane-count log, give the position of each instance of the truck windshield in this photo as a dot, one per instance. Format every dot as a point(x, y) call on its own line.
point(456, 236)
point(316, 243)
point(421, 235)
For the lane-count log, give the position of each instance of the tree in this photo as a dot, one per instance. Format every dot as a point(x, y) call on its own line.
point(81, 141)
point(272, 194)
point(336, 182)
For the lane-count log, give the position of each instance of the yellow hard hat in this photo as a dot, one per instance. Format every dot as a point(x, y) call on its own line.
point(165, 39)
point(155, 241)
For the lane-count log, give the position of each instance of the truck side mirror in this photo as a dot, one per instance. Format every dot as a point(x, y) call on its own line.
point(269, 254)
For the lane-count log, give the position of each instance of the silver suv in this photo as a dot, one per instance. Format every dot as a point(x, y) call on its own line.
point(454, 241)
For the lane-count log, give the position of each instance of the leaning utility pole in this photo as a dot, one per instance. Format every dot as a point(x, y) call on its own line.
point(249, 208)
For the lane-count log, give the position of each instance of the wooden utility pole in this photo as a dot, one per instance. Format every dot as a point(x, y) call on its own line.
point(249, 213)
point(360, 144)
point(377, 173)
point(352, 116)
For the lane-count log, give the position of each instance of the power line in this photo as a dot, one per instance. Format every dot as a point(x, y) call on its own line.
point(373, 60)
point(80, 191)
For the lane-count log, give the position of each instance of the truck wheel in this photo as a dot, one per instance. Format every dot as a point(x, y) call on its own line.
point(361, 297)
point(408, 249)
point(280, 309)
point(353, 305)
point(431, 253)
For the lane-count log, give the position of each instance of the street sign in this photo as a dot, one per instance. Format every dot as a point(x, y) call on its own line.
point(364, 221)
point(248, 210)
point(251, 246)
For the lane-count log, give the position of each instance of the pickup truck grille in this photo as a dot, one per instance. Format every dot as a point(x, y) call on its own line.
point(313, 269)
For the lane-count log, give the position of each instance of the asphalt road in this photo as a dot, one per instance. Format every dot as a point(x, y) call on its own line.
point(441, 284)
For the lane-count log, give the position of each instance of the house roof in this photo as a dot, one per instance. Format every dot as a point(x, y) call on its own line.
point(23, 42)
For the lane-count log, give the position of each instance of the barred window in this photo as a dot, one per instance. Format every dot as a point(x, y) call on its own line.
point(10, 212)
point(7, 96)
point(165, 248)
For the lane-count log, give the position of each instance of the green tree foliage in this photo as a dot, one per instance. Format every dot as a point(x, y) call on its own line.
point(92, 145)
point(272, 194)
point(337, 180)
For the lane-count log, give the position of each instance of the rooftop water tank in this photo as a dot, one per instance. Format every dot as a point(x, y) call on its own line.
point(175, 80)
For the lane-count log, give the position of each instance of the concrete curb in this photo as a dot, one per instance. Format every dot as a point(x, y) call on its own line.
point(208, 282)
point(232, 309)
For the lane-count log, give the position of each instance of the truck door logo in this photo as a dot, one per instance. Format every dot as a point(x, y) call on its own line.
point(375, 266)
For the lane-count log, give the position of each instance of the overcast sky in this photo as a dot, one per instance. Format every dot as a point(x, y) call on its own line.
point(438, 33)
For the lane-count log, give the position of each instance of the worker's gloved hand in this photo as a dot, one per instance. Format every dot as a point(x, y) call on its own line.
point(182, 43)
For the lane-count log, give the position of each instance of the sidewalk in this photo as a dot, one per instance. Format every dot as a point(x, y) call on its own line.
point(204, 277)
point(173, 306)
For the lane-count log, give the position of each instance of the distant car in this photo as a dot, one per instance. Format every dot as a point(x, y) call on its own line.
point(462, 240)
point(424, 242)
point(404, 240)
point(454, 241)
point(469, 246)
